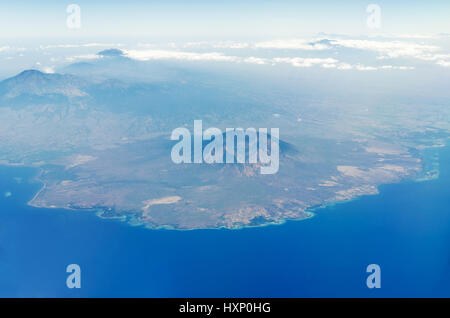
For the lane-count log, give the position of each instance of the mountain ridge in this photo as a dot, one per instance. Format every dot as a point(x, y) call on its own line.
point(35, 82)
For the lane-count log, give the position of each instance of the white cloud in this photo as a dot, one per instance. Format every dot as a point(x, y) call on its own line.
point(331, 63)
point(217, 45)
point(83, 57)
point(305, 62)
point(323, 62)
point(391, 49)
point(230, 45)
point(145, 55)
point(255, 60)
point(386, 49)
point(403, 67)
point(47, 69)
point(197, 44)
point(71, 46)
point(7, 48)
point(416, 36)
point(298, 44)
point(360, 67)
point(404, 36)
point(434, 57)
point(344, 66)
point(443, 63)
point(398, 49)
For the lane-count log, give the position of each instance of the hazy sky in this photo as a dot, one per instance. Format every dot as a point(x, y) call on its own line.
point(218, 19)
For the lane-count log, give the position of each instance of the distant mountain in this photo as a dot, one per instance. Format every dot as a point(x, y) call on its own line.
point(33, 82)
point(324, 41)
point(111, 52)
point(113, 63)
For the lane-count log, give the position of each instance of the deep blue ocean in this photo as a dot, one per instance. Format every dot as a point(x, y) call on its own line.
point(405, 229)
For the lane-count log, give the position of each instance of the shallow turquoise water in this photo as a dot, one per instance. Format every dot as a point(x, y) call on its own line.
point(405, 229)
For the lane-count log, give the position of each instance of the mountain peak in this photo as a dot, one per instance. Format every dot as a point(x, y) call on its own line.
point(35, 82)
point(111, 52)
point(30, 71)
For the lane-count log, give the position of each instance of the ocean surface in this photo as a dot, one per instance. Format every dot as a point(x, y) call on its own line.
point(405, 229)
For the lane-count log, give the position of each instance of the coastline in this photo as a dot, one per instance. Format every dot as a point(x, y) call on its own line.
point(310, 211)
